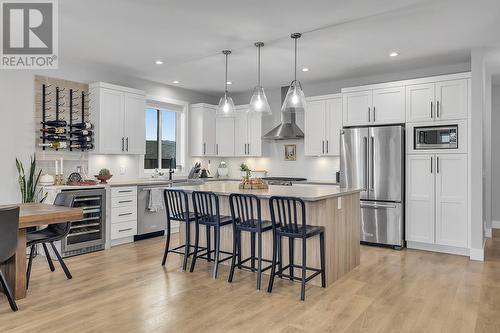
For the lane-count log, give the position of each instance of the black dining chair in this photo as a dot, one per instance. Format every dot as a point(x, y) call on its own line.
point(9, 228)
point(207, 213)
point(247, 216)
point(288, 216)
point(50, 234)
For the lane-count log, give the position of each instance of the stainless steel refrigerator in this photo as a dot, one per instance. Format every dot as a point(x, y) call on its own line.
point(372, 158)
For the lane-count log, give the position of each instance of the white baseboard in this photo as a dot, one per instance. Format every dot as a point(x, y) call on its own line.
point(495, 224)
point(487, 232)
point(476, 254)
point(461, 251)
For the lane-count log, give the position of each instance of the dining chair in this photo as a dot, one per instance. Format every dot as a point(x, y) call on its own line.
point(9, 229)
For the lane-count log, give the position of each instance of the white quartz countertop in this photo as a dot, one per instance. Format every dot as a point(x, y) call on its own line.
point(305, 192)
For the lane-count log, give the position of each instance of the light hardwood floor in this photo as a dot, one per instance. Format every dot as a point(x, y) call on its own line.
point(126, 289)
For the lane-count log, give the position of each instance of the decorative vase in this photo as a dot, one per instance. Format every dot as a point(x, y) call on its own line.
point(104, 178)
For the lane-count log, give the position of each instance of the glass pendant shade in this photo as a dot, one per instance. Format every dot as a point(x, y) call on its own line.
point(226, 106)
point(258, 102)
point(295, 101)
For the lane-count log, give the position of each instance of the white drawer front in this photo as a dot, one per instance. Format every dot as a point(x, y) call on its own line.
point(123, 201)
point(124, 191)
point(122, 214)
point(123, 229)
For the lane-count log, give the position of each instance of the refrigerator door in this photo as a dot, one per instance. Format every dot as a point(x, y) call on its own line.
point(386, 162)
point(382, 222)
point(354, 159)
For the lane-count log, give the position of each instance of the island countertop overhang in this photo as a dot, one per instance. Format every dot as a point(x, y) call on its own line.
point(305, 192)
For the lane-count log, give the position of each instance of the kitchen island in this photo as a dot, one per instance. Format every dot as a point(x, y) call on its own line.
point(336, 209)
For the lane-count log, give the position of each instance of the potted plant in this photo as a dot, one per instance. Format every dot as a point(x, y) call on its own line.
point(104, 175)
point(30, 191)
point(245, 171)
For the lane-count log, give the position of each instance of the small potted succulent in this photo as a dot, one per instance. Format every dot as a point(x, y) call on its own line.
point(245, 171)
point(104, 175)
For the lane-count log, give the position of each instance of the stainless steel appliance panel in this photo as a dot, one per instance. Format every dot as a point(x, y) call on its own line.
point(354, 159)
point(386, 151)
point(382, 223)
point(147, 221)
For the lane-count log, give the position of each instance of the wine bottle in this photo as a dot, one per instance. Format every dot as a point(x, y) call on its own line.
point(54, 137)
point(83, 145)
point(85, 125)
point(81, 133)
point(55, 145)
point(55, 123)
point(82, 139)
point(53, 130)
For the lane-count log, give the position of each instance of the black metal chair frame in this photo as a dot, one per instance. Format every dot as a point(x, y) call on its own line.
point(10, 229)
point(61, 200)
point(285, 224)
point(177, 208)
point(207, 212)
point(247, 216)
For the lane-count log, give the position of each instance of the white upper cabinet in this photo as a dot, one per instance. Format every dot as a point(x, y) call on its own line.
point(247, 133)
point(202, 130)
point(322, 124)
point(357, 108)
point(254, 130)
point(443, 100)
point(224, 136)
point(388, 106)
point(119, 119)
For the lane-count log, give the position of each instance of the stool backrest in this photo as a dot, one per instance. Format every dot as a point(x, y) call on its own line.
point(176, 203)
point(9, 228)
point(66, 200)
point(245, 209)
point(206, 205)
point(289, 213)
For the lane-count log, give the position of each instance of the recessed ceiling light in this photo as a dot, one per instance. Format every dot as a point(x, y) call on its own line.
point(393, 54)
point(305, 69)
point(159, 62)
point(229, 82)
point(175, 82)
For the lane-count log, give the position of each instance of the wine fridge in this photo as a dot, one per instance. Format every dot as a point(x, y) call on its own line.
point(87, 234)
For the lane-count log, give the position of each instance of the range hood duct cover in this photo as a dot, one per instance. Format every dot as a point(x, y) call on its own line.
point(287, 129)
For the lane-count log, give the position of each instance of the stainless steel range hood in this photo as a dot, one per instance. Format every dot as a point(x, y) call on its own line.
point(287, 129)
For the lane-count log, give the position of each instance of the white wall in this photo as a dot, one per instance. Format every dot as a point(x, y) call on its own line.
point(17, 119)
point(495, 156)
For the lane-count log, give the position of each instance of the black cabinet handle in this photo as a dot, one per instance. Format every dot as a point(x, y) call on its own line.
point(127, 143)
point(125, 214)
point(124, 201)
point(122, 230)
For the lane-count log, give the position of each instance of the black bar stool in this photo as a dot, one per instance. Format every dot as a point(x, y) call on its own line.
point(207, 213)
point(247, 216)
point(285, 220)
point(177, 208)
point(9, 228)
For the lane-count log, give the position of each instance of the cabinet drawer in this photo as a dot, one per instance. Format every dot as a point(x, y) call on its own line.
point(123, 201)
point(123, 191)
point(121, 214)
point(123, 229)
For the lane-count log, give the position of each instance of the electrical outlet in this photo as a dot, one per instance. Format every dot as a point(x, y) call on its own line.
point(122, 170)
point(339, 203)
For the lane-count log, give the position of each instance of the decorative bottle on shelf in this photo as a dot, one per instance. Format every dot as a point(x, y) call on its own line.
point(53, 130)
point(54, 137)
point(55, 145)
point(82, 139)
point(81, 133)
point(82, 145)
point(84, 125)
point(55, 123)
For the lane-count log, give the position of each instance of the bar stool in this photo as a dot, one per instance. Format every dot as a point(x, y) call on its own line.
point(9, 229)
point(247, 216)
point(207, 213)
point(286, 222)
point(177, 208)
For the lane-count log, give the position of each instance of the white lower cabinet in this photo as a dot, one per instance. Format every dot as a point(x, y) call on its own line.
point(123, 213)
point(436, 211)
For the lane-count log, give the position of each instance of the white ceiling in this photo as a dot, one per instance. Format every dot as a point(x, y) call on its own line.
point(341, 38)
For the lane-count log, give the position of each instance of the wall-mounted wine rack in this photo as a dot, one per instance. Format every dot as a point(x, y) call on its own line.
point(64, 112)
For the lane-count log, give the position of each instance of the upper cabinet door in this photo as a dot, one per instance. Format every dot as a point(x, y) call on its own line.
point(420, 198)
point(196, 130)
point(224, 137)
point(333, 126)
point(356, 108)
point(314, 129)
point(134, 124)
point(111, 138)
point(451, 100)
point(241, 134)
point(209, 130)
point(420, 104)
point(388, 106)
point(451, 200)
point(254, 135)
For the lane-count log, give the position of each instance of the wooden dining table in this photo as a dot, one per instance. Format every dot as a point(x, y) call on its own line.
point(32, 215)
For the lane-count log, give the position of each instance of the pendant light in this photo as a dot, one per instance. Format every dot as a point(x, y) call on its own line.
point(295, 101)
point(226, 104)
point(258, 102)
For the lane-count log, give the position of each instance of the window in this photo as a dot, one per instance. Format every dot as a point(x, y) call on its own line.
point(161, 143)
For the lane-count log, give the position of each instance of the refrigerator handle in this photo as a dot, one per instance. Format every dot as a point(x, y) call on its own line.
point(372, 151)
point(365, 142)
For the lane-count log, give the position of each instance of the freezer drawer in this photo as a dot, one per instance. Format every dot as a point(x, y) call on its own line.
point(382, 222)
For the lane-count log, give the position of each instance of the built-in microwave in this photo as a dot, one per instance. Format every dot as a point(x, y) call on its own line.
point(436, 137)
